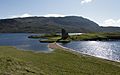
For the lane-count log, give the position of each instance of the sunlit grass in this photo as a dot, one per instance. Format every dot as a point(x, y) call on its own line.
point(60, 62)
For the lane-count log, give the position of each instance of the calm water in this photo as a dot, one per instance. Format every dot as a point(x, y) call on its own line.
point(104, 49)
point(21, 41)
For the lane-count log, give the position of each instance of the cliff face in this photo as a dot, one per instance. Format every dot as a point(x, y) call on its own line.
point(49, 24)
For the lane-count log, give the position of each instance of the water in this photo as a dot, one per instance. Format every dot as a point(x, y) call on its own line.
point(75, 33)
point(72, 33)
point(103, 49)
point(21, 41)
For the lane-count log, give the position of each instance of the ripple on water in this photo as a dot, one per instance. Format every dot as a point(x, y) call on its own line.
point(103, 49)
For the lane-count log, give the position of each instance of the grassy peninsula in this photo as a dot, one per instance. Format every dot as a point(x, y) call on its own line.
point(97, 36)
point(83, 37)
point(58, 62)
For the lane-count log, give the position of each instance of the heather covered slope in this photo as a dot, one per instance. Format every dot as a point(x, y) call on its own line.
point(52, 25)
point(48, 24)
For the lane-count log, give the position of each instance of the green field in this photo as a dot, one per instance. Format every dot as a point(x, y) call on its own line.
point(58, 62)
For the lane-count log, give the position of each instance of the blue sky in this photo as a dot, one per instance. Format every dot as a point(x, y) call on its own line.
point(104, 12)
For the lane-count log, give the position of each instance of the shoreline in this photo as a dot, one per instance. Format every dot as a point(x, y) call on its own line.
point(58, 46)
point(59, 61)
point(55, 46)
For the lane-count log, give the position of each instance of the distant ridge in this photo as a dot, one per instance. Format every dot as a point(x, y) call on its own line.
point(51, 24)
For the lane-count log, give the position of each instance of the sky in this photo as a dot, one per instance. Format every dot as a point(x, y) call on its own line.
point(103, 12)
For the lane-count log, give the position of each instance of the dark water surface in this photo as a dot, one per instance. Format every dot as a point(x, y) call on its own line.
point(21, 41)
point(103, 49)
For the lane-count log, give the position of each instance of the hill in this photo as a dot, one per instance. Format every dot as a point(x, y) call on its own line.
point(111, 29)
point(49, 24)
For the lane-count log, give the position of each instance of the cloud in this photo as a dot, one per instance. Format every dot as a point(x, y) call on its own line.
point(23, 15)
point(54, 15)
point(29, 15)
point(86, 1)
point(111, 22)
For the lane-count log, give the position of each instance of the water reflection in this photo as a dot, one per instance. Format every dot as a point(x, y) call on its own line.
point(108, 50)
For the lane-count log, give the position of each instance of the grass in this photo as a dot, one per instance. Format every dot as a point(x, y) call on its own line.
point(54, 40)
point(58, 62)
point(97, 36)
point(13, 66)
point(89, 36)
point(47, 36)
point(83, 37)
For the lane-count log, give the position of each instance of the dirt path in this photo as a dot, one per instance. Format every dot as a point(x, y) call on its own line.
point(55, 46)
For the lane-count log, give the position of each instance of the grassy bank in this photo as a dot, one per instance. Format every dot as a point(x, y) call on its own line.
point(58, 62)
